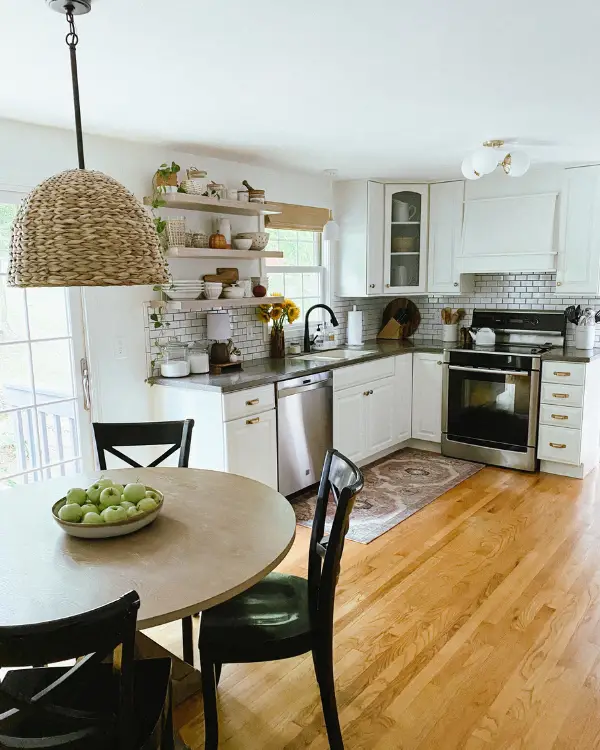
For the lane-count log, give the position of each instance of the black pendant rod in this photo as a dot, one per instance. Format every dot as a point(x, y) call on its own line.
point(72, 39)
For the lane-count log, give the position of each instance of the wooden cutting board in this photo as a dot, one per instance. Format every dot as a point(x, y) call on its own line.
point(224, 275)
point(401, 318)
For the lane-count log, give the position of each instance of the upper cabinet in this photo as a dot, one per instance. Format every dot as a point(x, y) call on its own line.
point(405, 241)
point(446, 200)
point(579, 243)
point(359, 209)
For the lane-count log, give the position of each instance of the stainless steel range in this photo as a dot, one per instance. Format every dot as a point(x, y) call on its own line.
point(491, 394)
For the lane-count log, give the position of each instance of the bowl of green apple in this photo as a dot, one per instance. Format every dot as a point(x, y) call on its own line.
point(107, 509)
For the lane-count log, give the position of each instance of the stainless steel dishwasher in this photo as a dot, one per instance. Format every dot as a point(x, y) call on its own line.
point(304, 429)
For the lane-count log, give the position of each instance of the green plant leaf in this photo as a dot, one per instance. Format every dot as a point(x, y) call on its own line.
point(154, 316)
point(175, 167)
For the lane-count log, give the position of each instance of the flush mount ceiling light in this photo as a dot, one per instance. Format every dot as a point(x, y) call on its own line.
point(331, 230)
point(81, 227)
point(513, 161)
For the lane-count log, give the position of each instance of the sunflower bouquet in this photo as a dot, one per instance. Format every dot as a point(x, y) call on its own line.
point(278, 313)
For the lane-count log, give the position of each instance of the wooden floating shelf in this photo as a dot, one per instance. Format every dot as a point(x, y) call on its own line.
point(212, 205)
point(212, 304)
point(209, 252)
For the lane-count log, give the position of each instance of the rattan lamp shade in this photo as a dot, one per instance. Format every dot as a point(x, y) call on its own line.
point(82, 228)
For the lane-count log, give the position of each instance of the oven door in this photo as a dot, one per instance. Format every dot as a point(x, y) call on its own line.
point(491, 408)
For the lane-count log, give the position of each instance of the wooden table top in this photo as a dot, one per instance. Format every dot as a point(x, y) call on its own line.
point(217, 535)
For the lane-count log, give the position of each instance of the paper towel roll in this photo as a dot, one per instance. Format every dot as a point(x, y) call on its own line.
point(355, 327)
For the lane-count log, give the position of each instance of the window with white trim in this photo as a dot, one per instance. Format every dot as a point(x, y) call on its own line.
point(301, 274)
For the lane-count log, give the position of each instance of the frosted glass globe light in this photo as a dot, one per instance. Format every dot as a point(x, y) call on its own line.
point(331, 230)
point(467, 169)
point(519, 163)
point(485, 160)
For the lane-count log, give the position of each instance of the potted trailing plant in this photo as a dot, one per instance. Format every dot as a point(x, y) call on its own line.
point(165, 178)
point(277, 314)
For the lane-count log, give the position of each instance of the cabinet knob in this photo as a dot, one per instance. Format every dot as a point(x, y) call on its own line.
point(365, 393)
point(387, 286)
point(559, 283)
point(371, 286)
point(440, 362)
point(456, 283)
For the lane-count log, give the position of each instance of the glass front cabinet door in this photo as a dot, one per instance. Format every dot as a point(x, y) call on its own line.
point(405, 248)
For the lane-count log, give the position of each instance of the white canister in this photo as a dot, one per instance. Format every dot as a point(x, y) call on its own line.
point(232, 194)
point(198, 358)
point(178, 368)
point(450, 332)
point(585, 337)
point(225, 230)
point(246, 285)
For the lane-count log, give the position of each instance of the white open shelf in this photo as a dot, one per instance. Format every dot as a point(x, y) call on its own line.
point(209, 252)
point(212, 304)
point(212, 205)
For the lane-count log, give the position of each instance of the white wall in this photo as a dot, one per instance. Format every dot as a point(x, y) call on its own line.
point(30, 154)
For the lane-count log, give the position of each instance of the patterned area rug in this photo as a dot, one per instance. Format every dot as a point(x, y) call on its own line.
point(395, 487)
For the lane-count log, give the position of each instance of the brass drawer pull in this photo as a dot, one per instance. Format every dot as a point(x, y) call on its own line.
point(557, 445)
point(560, 395)
point(562, 374)
point(253, 402)
point(367, 393)
point(253, 421)
point(559, 416)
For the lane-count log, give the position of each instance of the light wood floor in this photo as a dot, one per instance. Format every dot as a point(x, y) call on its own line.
point(474, 624)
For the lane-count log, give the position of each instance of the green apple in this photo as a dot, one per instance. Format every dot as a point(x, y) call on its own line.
point(70, 512)
point(92, 518)
point(133, 511)
point(114, 514)
point(76, 495)
point(89, 508)
point(93, 492)
point(104, 483)
point(134, 492)
point(154, 495)
point(126, 504)
point(118, 487)
point(147, 504)
point(109, 496)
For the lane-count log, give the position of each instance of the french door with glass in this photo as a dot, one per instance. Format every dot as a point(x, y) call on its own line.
point(45, 428)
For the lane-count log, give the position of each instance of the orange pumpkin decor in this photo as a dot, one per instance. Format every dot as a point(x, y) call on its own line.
point(217, 241)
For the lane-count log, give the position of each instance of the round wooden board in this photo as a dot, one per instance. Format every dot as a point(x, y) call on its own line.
point(412, 314)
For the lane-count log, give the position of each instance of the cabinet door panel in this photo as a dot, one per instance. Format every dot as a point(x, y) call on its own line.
point(445, 231)
point(380, 417)
point(402, 398)
point(251, 447)
point(579, 247)
point(349, 422)
point(375, 213)
point(405, 244)
point(427, 397)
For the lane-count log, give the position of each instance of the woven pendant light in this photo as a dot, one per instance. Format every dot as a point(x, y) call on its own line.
point(81, 227)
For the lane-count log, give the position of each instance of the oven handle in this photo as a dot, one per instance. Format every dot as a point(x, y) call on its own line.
point(524, 373)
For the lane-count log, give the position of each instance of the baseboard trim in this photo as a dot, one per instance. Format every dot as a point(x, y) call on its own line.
point(563, 470)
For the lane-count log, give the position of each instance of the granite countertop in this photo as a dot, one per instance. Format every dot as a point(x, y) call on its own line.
point(265, 371)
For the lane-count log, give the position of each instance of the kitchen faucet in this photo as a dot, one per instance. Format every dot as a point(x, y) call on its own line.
point(307, 340)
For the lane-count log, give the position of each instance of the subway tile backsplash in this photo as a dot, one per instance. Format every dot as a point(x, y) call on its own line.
point(512, 291)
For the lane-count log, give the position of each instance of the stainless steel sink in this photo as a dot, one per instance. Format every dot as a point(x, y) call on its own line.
point(334, 355)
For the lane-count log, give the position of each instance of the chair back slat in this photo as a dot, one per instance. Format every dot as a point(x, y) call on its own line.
point(108, 631)
point(109, 435)
point(341, 481)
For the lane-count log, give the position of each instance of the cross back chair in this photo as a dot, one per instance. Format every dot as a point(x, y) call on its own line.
point(284, 615)
point(123, 705)
point(111, 434)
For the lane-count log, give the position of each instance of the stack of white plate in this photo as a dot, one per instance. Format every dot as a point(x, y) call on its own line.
point(182, 289)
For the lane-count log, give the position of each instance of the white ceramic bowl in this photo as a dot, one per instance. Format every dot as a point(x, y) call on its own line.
point(212, 293)
point(107, 530)
point(259, 239)
point(233, 292)
point(242, 244)
point(181, 294)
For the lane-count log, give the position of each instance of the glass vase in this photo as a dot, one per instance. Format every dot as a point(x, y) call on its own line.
point(277, 343)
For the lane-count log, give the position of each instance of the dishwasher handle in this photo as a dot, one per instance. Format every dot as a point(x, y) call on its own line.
point(302, 385)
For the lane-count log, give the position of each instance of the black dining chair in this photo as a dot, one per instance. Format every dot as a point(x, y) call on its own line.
point(105, 700)
point(284, 615)
point(177, 434)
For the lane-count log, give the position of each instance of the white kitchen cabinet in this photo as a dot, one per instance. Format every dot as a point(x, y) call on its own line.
point(402, 397)
point(405, 239)
point(380, 430)
point(579, 242)
point(446, 202)
point(349, 422)
point(251, 447)
point(427, 397)
point(359, 211)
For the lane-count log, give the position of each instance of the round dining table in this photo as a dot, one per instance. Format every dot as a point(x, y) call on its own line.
point(217, 535)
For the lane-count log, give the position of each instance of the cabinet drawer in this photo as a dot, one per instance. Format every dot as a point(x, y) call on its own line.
point(571, 373)
point(243, 403)
point(559, 393)
point(251, 447)
point(559, 444)
point(346, 377)
point(561, 416)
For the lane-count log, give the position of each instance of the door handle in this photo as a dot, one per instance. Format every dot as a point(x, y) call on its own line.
point(253, 421)
point(560, 395)
point(85, 382)
point(557, 445)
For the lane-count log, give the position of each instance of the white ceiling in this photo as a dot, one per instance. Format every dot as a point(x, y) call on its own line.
point(381, 88)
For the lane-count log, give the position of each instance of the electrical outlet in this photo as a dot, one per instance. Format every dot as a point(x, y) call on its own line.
point(120, 348)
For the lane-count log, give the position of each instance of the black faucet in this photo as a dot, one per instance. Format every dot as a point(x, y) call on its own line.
point(334, 321)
